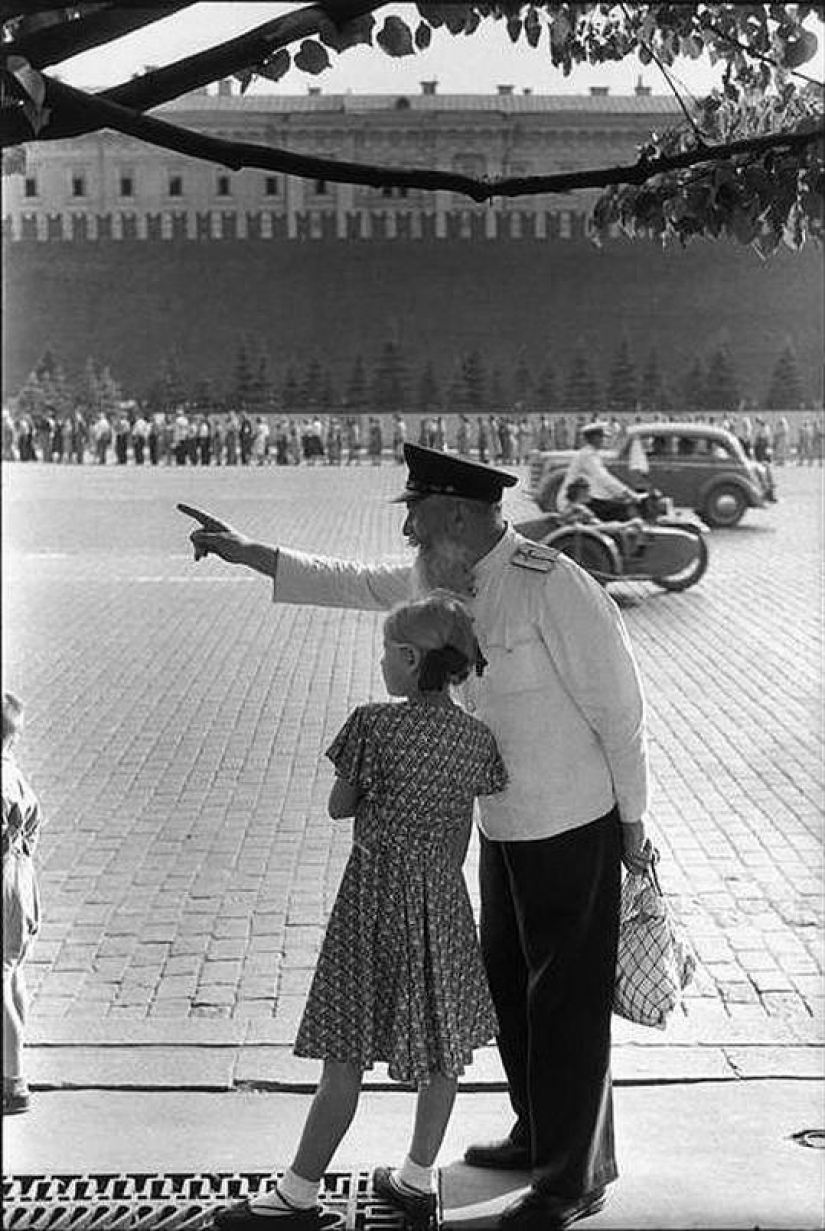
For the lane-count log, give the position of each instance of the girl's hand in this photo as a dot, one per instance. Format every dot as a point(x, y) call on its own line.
point(638, 851)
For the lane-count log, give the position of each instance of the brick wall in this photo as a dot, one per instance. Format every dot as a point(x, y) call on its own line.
point(127, 303)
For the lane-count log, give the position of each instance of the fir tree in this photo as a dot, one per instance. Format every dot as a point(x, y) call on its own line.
point(721, 385)
point(109, 393)
point(389, 386)
point(327, 392)
point(475, 382)
point(203, 396)
point(428, 392)
point(522, 384)
point(312, 385)
point(457, 389)
point(87, 394)
point(581, 394)
point(498, 394)
point(621, 385)
point(786, 391)
point(695, 386)
point(356, 391)
point(30, 399)
point(243, 383)
point(544, 397)
point(262, 391)
point(290, 392)
point(652, 396)
point(46, 365)
point(57, 391)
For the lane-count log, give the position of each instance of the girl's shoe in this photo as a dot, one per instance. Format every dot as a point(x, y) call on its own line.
point(418, 1207)
point(16, 1101)
point(240, 1217)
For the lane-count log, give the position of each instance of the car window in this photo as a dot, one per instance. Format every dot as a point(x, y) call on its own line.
point(658, 447)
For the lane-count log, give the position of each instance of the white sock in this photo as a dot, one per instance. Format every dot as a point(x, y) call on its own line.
point(414, 1176)
point(289, 1194)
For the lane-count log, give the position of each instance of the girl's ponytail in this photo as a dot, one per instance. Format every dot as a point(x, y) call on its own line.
point(442, 627)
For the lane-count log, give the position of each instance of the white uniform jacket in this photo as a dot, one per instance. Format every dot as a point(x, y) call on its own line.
point(561, 692)
point(588, 464)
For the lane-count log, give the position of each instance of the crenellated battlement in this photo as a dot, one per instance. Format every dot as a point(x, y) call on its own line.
point(85, 226)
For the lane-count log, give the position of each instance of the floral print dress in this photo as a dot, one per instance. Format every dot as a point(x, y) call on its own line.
point(400, 977)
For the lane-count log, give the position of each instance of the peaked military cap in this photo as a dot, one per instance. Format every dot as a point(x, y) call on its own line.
point(433, 473)
point(590, 429)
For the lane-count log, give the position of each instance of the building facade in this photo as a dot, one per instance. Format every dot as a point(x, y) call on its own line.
point(108, 186)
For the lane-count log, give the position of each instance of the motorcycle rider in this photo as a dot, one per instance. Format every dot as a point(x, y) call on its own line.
point(576, 509)
point(609, 498)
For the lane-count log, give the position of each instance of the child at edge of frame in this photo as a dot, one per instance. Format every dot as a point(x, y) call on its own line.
point(21, 906)
point(399, 978)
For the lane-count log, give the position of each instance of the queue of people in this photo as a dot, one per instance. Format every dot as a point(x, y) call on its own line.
point(230, 438)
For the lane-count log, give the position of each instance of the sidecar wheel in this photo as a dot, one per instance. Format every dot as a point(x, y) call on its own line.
point(690, 575)
point(592, 551)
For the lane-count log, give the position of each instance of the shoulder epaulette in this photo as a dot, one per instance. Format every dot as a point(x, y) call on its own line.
point(535, 556)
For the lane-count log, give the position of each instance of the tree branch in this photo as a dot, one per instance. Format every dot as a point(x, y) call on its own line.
point(62, 40)
point(89, 113)
point(164, 84)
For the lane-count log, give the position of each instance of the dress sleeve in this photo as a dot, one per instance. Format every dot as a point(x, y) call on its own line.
point(352, 752)
point(493, 777)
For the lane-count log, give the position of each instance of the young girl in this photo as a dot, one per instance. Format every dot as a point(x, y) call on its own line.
point(399, 978)
point(21, 906)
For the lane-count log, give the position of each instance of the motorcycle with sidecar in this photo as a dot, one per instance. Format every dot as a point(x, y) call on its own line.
point(659, 544)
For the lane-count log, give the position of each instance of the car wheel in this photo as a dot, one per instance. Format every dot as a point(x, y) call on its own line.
point(548, 495)
point(594, 554)
point(690, 575)
point(724, 505)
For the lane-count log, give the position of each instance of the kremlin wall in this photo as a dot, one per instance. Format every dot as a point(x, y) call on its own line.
point(124, 252)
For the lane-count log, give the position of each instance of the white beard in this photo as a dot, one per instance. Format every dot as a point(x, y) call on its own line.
point(442, 567)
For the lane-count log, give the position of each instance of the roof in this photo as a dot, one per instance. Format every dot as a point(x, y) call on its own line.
point(509, 104)
point(678, 427)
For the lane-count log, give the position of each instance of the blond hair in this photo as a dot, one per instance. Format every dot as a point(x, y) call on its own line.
point(442, 628)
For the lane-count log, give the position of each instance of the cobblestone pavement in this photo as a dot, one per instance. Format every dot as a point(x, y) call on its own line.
point(177, 720)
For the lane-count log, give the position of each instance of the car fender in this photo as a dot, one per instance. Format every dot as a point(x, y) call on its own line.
point(730, 479)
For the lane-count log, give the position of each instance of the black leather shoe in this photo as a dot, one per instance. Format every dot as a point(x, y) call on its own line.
point(537, 1210)
point(504, 1155)
point(418, 1208)
point(239, 1217)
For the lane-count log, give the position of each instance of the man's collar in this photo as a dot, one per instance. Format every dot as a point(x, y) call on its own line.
point(484, 567)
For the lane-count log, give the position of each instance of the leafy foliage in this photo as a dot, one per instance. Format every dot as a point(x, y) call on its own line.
point(757, 195)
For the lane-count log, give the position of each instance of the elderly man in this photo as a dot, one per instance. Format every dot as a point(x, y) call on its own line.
point(609, 498)
point(563, 698)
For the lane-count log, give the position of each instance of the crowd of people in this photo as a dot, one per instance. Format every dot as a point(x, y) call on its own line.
point(184, 437)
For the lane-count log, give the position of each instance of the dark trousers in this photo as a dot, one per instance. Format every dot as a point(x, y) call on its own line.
point(549, 928)
point(611, 510)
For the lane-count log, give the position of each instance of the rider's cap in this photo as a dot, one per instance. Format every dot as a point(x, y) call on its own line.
point(590, 429)
point(433, 473)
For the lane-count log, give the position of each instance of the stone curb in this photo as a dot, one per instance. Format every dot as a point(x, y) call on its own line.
point(218, 1067)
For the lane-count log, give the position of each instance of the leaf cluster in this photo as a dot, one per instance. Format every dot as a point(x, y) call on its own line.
point(761, 196)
